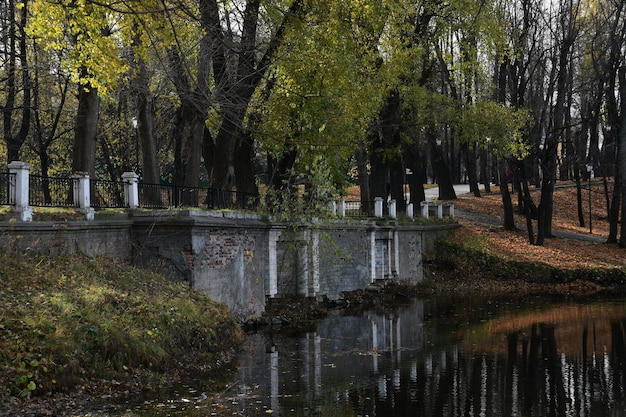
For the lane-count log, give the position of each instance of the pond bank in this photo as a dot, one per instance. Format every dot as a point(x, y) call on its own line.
point(459, 270)
point(76, 332)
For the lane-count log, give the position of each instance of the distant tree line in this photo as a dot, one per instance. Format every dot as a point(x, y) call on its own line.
point(303, 96)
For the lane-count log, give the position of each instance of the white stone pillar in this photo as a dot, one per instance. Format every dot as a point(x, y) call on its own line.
point(392, 209)
point(372, 256)
point(82, 194)
point(451, 207)
point(378, 207)
point(342, 207)
point(19, 191)
point(314, 263)
point(439, 210)
point(131, 189)
point(409, 211)
point(424, 206)
point(272, 276)
point(395, 268)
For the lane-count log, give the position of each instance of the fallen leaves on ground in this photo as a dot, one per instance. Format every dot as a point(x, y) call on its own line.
point(558, 252)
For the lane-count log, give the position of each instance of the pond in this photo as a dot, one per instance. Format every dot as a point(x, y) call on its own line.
point(534, 356)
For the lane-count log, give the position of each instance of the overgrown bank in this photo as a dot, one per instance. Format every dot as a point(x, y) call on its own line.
point(71, 322)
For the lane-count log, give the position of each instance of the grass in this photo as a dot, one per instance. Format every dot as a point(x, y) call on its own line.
point(66, 320)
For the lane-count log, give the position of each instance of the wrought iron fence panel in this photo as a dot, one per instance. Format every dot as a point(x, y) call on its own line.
point(107, 194)
point(219, 199)
point(163, 196)
point(6, 180)
point(156, 196)
point(51, 191)
point(171, 196)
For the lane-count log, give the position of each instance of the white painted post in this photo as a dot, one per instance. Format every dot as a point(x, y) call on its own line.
point(131, 189)
point(81, 194)
point(409, 211)
point(392, 209)
point(272, 276)
point(19, 191)
point(342, 207)
point(378, 207)
point(439, 210)
point(451, 206)
point(424, 206)
point(372, 256)
point(314, 263)
point(333, 208)
point(390, 257)
point(395, 269)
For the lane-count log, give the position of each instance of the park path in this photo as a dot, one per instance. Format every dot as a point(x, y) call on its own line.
point(462, 191)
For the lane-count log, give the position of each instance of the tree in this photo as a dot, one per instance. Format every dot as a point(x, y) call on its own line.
point(83, 32)
point(18, 85)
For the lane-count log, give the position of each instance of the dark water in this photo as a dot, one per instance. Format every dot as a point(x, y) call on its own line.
point(532, 357)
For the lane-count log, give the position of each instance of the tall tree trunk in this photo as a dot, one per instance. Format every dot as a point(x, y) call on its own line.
point(236, 91)
point(614, 210)
point(621, 161)
point(85, 130)
point(485, 172)
point(397, 176)
point(16, 49)
point(470, 161)
point(509, 220)
point(363, 178)
point(579, 196)
point(147, 138)
point(145, 123)
point(416, 179)
point(440, 166)
point(244, 167)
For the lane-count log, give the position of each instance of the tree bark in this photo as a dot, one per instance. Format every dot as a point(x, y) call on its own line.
point(85, 130)
point(470, 161)
point(145, 123)
point(440, 166)
point(235, 92)
point(16, 49)
point(416, 179)
point(509, 220)
point(621, 162)
point(363, 178)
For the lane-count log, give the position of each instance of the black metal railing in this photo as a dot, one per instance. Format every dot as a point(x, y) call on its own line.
point(218, 199)
point(173, 196)
point(107, 194)
point(59, 192)
point(51, 191)
point(6, 180)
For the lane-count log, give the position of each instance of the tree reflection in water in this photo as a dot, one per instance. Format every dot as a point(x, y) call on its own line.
point(531, 357)
point(568, 360)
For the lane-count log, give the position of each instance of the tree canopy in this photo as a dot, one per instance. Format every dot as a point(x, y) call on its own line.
point(285, 94)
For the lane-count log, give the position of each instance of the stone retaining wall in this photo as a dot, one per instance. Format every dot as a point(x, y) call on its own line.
point(239, 259)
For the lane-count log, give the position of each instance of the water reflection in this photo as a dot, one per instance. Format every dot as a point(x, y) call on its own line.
point(535, 357)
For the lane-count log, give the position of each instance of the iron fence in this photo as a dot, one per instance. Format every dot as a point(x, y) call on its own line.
point(6, 180)
point(173, 196)
point(226, 199)
point(51, 191)
point(107, 194)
